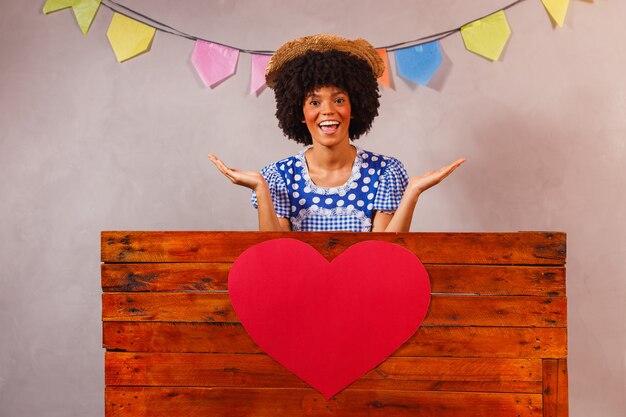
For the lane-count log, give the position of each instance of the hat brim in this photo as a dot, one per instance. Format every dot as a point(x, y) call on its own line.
point(296, 48)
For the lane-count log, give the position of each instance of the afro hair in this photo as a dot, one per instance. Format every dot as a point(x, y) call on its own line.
point(302, 75)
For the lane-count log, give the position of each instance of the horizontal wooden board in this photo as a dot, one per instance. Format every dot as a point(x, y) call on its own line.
point(522, 248)
point(178, 307)
point(155, 277)
point(236, 402)
point(498, 342)
point(454, 279)
point(497, 280)
point(261, 371)
point(449, 310)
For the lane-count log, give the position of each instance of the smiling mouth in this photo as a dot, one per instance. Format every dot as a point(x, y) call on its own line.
point(329, 127)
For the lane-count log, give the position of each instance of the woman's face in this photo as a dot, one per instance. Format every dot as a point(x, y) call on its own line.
point(327, 115)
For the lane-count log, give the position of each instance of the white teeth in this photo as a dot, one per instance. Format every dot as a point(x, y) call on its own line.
point(329, 123)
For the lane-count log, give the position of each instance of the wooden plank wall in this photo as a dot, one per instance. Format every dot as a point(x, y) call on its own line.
point(494, 342)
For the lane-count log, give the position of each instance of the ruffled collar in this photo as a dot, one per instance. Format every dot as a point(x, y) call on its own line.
point(341, 189)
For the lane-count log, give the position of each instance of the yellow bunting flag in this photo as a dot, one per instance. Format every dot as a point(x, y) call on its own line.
point(55, 5)
point(129, 37)
point(384, 79)
point(557, 10)
point(487, 36)
point(84, 10)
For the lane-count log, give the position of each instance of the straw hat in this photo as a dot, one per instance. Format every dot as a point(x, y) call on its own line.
point(296, 48)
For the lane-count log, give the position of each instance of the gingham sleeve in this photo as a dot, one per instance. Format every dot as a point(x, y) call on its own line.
point(278, 191)
point(393, 182)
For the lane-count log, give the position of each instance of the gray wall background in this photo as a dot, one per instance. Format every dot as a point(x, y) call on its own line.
point(88, 144)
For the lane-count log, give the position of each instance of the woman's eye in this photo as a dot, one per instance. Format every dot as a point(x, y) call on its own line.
point(314, 102)
point(340, 100)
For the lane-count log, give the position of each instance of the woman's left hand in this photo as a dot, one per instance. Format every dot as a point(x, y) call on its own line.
point(421, 183)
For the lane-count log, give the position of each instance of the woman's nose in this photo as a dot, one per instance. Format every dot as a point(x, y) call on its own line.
point(327, 108)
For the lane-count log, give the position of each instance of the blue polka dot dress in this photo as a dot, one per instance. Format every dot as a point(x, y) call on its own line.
point(377, 183)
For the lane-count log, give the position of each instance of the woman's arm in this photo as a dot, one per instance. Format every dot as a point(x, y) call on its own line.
point(400, 221)
point(268, 220)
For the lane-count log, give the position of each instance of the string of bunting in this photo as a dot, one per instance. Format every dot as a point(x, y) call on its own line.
point(131, 33)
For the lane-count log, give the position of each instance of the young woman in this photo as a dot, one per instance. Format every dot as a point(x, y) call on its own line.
point(326, 97)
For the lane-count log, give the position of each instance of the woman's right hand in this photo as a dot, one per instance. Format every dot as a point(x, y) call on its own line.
point(250, 179)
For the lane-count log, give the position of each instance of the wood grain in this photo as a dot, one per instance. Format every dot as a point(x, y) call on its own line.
point(550, 387)
point(494, 341)
point(172, 277)
point(444, 310)
point(522, 248)
point(562, 403)
point(498, 342)
point(546, 281)
point(296, 402)
point(259, 370)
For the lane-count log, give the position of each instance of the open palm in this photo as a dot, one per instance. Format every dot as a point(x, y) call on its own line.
point(422, 183)
point(248, 179)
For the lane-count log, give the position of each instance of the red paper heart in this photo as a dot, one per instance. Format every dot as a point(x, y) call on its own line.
point(329, 323)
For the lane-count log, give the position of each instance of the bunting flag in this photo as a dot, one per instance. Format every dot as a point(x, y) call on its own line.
point(84, 10)
point(384, 79)
point(419, 63)
point(55, 5)
point(214, 62)
point(487, 36)
point(417, 60)
point(257, 73)
point(129, 37)
point(557, 10)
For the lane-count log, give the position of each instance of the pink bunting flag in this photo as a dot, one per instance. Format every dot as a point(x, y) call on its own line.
point(213, 62)
point(257, 76)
